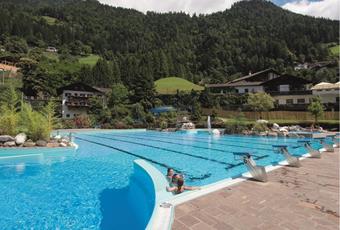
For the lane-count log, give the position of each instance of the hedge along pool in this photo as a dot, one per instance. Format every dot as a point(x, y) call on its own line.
point(96, 187)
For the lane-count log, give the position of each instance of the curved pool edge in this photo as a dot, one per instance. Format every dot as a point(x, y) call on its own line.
point(162, 216)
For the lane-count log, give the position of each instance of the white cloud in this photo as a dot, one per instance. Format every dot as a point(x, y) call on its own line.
point(322, 8)
point(319, 8)
point(188, 6)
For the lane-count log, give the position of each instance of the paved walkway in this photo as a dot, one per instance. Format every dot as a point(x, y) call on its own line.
point(293, 198)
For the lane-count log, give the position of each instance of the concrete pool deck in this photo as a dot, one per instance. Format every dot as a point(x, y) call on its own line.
point(293, 198)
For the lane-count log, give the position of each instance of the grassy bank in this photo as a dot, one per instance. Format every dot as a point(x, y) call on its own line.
point(170, 85)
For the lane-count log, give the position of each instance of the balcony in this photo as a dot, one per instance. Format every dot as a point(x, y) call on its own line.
point(292, 92)
point(77, 103)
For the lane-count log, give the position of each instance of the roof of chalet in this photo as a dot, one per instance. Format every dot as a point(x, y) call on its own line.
point(246, 80)
point(283, 79)
point(78, 87)
point(243, 80)
point(103, 90)
point(326, 85)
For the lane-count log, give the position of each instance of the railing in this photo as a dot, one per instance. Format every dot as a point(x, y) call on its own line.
point(77, 104)
point(293, 92)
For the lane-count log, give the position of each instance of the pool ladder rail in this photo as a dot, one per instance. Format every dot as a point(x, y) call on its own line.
point(291, 160)
point(258, 172)
point(312, 152)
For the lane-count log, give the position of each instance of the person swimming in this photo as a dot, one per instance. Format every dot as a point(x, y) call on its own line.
point(175, 178)
point(170, 173)
point(180, 187)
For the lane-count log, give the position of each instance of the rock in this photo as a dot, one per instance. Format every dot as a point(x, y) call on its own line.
point(20, 138)
point(262, 134)
point(293, 135)
point(52, 144)
point(53, 141)
point(5, 138)
point(272, 134)
point(9, 144)
point(283, 129)
point(29, 143)
point(245, 132)
point(41, 143)
point(282, 134)
point(276, 126)
point(63, 144)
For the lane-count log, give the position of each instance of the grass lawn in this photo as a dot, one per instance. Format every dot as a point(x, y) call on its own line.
point(52, 56)
point(89, 60)
point(51, 21)
point(170, 85)
point(335, 50)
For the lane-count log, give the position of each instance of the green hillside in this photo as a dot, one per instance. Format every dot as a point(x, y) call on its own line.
point(89, 60)
point(170, 85)
point(335, 50)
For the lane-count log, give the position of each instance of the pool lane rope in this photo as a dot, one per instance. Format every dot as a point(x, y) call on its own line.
point(178, 152)
point(147, 159)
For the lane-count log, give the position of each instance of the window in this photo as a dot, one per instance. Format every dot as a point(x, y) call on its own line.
point(284, 88)
point(337, 99)
point(67, 115)
point(289, 101)
point(301, 101)
point(75, 94)
point(246, 90)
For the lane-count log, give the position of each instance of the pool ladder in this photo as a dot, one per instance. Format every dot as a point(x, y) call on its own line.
point(258, 172)
point(291, 160)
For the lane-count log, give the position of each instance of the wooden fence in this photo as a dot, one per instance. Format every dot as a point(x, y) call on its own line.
point(273, 115)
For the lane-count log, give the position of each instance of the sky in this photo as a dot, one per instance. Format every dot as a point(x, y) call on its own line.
point(318, 8)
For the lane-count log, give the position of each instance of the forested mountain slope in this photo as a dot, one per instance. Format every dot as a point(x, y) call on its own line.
point(250, 36)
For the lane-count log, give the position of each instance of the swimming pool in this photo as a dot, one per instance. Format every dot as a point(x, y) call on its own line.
point(95, 187)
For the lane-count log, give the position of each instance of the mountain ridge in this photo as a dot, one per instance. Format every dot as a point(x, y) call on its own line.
point(250, 36)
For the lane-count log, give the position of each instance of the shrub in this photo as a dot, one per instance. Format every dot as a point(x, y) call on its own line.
point(33, 123)
point(8, 121)
point(163, 125)
point(235, 128)
point(120, 125)
point(82, 121)
point(237, 125)
point(260, 127)
point(49, 111)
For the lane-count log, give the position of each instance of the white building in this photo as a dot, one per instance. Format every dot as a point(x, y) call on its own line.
point(285, 89)
point(328, 92)
point(76, 99)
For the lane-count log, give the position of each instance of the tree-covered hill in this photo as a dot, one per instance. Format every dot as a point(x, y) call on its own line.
point(250, 36)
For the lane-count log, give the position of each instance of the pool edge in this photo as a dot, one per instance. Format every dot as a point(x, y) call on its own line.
point(160, 212)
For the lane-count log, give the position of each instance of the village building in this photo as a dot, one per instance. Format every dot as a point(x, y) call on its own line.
point(51, 49)
point(75, 99)
point(329, 93)
point(285, 89)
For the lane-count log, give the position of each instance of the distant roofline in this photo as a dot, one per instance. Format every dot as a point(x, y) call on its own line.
point(86, 88)
point(233, 83)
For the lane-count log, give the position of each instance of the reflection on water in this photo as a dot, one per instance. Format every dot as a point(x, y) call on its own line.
point(21, 165)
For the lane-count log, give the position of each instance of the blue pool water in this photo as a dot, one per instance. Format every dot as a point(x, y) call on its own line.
point(95, 187)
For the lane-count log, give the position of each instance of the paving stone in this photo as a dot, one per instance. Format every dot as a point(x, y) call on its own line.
point(176, 225)
point(188, 220)
point(294, 198)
